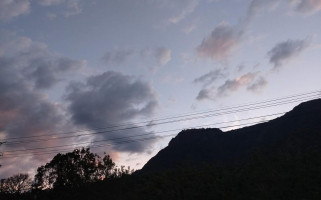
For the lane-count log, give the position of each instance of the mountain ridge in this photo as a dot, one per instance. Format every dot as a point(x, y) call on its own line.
point(193, 147)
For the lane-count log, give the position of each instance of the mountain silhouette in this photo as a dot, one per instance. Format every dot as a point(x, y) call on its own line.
point(279, 159)
point(298, 130)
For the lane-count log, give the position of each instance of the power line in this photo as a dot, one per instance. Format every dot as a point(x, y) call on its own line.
point(156, 137)
point(121, 142)
point(153, 121)
point(120, 138)
point(8, 155)
point(293, 100)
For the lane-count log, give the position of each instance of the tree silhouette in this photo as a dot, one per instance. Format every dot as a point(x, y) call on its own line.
point(107, 166)
point(73, 169)
point(16, 184)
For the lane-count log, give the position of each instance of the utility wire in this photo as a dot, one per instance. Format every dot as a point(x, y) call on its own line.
point(153, 121)
point(10, 155)
point(121, 142)
point(167, 122)
point(120, 138)
point(156, 137)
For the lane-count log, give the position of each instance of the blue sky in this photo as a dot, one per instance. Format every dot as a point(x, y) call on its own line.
point(67, 65)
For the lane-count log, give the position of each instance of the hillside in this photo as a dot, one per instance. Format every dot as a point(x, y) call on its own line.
point(294, 130)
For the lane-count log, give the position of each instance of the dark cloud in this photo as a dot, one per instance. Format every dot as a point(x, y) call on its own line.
point(13, 8)
point(36, 62)
point(210, 77)
point(46, 72)
point(284, 51)
point(26, 66)
point(111, 98)
point(25, 112)
point(205, 94)
point(307, 6)
point(219, 44)
point(118, 56)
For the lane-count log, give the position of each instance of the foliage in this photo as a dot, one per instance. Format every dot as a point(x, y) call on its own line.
point(265, 177)
point(121, 172)
point(73, 169)
point(16, 184)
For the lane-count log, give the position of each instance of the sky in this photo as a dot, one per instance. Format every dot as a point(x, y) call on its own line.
point(71, 67)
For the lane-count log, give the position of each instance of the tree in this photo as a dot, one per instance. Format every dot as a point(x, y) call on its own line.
point(73, 169)
point(122, 171)
point(16, 184)
point(107, 166)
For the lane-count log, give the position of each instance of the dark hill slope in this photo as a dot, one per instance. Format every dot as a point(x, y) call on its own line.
point(297, 129)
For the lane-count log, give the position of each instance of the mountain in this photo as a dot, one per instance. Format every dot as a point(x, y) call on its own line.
point(297, 131)
point(279, 159)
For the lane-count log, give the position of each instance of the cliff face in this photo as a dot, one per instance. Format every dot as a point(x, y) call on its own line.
point(299, 129)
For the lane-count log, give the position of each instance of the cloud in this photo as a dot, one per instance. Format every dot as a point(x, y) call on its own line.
point(26, 67)
point(176, 10)
point(205, 94)
point(13, 8)
point(284, 51)
point(251, 80)
point(307, 6)
point(118, 56)
point(210, 77)
point(225, 38)
point(46, 72)
point(186, 8)
point(235, 84)
point(25, 111)
point(256, 7)
point(112, 98)
point(163, 55)
point(258, 85)
point(219, 44)
point(34, 60)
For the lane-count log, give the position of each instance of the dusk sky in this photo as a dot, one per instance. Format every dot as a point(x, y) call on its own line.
point(82, 65)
